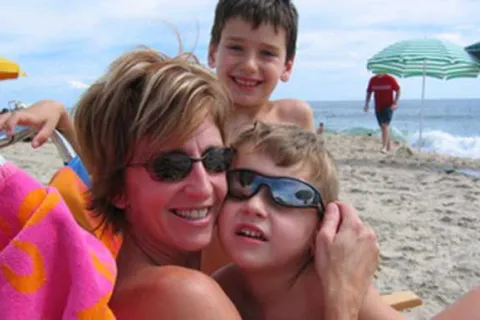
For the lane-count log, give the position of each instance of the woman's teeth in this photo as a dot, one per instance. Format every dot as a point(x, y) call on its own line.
point(195, 214)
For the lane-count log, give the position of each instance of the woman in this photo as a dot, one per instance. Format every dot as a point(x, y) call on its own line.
point(151, 134)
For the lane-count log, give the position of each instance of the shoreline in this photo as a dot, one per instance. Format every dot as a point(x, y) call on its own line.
point(397, 140)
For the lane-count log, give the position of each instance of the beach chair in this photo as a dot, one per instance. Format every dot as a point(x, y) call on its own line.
point(402, 300)
point(72, 182)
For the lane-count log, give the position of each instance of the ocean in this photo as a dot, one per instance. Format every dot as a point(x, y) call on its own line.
point(450, 126)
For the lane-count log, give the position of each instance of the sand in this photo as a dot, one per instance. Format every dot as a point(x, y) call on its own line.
point(427, 220)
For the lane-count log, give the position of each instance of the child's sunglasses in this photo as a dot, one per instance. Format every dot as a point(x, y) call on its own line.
point(174, 166)
point(285, 191)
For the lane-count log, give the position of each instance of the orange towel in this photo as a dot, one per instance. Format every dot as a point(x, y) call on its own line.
point(75, 194)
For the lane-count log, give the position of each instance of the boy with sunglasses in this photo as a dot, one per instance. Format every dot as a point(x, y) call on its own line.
point(279, 184)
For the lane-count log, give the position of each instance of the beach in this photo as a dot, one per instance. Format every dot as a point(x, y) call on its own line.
point(425, 213)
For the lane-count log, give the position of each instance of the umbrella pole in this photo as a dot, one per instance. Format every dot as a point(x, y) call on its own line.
point(421, 105)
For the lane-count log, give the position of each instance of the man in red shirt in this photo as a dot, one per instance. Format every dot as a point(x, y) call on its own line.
point(383, 86)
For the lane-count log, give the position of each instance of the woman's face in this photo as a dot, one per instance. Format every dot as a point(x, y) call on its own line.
point(176, 216)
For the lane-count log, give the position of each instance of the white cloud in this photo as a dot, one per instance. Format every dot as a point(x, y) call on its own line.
point(56, 41)
point(456, 38)
point(78, 84)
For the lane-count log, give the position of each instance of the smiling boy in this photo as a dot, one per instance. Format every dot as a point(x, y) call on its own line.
point(252, 47)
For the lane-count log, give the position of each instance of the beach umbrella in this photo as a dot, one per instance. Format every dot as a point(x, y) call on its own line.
point(425, 58)
point(9, 70)
point(474, 50)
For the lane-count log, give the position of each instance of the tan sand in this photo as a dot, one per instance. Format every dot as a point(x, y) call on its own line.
point(427, 221)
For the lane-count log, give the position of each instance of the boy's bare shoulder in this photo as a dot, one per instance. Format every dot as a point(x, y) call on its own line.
point(162, 292)
point(234, 285)
point(295, 111)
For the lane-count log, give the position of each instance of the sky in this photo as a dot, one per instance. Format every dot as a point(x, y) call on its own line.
point(63, 46)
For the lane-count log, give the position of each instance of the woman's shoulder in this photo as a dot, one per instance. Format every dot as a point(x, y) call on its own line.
point(171, 292)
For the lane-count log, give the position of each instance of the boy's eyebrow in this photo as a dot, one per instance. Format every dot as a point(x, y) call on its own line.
point(271, 46)
point(240, 39)
point(234, 38)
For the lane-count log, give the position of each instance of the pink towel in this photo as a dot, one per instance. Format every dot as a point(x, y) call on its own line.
point(50, 267)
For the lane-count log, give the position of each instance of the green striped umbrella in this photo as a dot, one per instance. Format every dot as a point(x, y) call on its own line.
point(430, 57)
point(425, 58)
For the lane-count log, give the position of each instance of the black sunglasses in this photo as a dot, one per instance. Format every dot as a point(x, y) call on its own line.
point(285, 191)
point(174, 166)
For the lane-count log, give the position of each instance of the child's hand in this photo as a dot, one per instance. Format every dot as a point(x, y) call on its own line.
point(346, 257)
point(43, 115)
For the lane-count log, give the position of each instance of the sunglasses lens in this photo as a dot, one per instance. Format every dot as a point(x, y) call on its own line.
point(218, 159)
point(292, 193)
point(171, 167)
point(241, 184)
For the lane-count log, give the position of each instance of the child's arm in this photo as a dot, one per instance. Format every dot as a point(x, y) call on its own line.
point(44, 115)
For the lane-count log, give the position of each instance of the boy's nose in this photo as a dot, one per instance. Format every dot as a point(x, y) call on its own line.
point(250, 64)
point(256, 205)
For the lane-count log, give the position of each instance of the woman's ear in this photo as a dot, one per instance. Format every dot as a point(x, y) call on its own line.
point(120, 202)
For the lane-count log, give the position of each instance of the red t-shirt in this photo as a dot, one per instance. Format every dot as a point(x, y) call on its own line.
point(383, 87)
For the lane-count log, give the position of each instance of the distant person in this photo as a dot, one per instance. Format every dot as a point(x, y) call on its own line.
point(321, 128)
point(383, 86)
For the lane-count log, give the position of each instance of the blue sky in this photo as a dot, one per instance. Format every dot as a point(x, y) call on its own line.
point(65, 45)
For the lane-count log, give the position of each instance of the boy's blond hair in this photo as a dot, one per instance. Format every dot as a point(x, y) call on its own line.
point(288, 145)
point(144, 96)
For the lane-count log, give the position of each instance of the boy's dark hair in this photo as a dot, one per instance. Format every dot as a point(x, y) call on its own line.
point(280, 13)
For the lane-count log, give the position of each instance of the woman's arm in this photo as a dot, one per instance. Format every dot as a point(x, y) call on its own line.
point(374, 308)
point(346, 256)
point(172, 293)
point(467, 308)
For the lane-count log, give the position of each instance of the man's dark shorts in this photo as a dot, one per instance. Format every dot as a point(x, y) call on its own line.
point(384, 116)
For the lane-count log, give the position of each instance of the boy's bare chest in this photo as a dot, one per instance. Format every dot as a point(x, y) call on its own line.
point(294, 307)
point(241, 123)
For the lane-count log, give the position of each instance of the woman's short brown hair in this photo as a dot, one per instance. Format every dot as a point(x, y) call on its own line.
point(143, 95)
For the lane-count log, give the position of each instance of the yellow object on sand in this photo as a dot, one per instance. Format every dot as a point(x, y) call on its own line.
point(402, 300)
point(10, 70)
